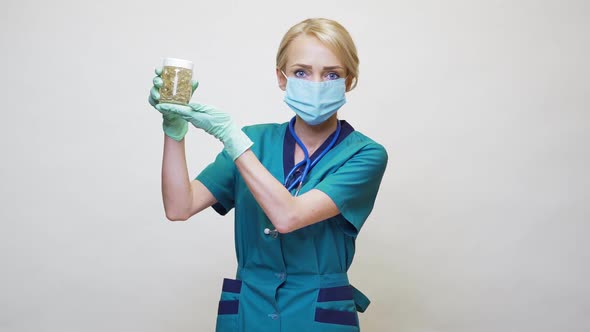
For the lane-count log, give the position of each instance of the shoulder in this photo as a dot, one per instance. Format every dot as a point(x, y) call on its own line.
point(264, 130)
point(363, 145)
point(267, 137)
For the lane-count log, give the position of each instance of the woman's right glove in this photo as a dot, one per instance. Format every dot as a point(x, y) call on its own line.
point(174, 125)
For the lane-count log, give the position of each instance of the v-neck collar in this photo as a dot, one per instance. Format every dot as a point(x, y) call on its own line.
point(289, 147)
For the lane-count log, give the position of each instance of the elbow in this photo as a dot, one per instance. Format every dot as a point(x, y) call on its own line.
point(176, 216)
point(283, 229)
point(286, 224)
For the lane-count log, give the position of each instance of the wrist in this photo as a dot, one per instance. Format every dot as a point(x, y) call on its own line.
point(174, 126)
point(237, 142)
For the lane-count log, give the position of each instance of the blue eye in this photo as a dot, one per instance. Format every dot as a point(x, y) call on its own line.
point(332, 76)
point(299, 73)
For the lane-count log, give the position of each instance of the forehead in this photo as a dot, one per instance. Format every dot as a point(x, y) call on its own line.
point(307, 49)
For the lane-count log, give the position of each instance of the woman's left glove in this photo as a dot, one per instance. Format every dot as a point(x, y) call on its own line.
point(214, 122)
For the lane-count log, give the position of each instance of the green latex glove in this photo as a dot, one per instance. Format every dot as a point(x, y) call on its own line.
point(214, 122)
point(174, 125)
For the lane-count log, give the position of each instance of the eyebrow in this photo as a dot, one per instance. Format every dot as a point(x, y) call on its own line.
point(309, 67)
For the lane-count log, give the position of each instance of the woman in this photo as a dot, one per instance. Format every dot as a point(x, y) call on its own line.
point(301, 189)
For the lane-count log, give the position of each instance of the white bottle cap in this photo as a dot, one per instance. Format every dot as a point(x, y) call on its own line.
point(173, 62)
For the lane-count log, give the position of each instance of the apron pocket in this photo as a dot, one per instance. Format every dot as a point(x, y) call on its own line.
point(335, 294)
point(229, 306)
point(335, 310)
point(336, 317)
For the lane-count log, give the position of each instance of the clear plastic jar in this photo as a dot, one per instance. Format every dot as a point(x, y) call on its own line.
point(177, 87)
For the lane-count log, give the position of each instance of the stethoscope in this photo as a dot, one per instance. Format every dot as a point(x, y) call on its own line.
point(309, 164)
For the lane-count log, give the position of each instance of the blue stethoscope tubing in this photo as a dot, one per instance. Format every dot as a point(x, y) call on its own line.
point(306, 159)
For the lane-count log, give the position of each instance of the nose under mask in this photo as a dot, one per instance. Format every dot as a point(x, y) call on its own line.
point(315, 102)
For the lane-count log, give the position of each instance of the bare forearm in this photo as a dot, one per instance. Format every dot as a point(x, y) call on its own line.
point(277, 203)
point(176, 187)
point(287, 213)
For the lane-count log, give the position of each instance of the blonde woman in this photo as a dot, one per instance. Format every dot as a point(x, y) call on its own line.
point(301, 189)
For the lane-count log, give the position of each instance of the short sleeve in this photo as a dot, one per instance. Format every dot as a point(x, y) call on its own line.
point(219, 177)
point(354, 186)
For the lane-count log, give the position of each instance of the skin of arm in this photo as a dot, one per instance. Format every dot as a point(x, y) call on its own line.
point(182, 198)
point(286, 212)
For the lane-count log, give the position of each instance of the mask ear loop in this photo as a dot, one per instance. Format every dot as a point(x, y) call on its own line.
point(286, 78)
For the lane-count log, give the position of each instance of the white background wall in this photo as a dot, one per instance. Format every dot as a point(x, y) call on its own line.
point(481, 222)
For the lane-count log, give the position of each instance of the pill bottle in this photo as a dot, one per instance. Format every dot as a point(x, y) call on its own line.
point(177, 87)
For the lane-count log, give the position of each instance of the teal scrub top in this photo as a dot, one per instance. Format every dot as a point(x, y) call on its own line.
point(297, 281)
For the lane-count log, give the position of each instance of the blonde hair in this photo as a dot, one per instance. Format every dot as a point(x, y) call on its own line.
point(334, 36)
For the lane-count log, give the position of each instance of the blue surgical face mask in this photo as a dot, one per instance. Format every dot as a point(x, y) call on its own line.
point(315, 102)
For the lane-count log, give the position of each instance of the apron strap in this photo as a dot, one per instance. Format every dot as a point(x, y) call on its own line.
point(360, 300)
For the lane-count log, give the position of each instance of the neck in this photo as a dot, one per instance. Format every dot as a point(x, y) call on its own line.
point(313, 136)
